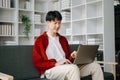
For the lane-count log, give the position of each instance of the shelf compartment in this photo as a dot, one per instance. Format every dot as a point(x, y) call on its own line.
point(8, 3)
point(39, 29)
point(25, 41)
point(37, 32)
point(41, 5)
point(7, 40)
point(25, 13)
point(4, 16)
point(78, 13)
point(65, 29)
point(66, 16)
point(65, 4)
point(53, 5)
point(95, 39)
point(26, 4)
point(7, 29)
point(95, 9)
point(39, 17)
point(95, 26)
point(77, 2)
point(42, 28)
point(21, 29)
point(78, 27)
point(79, 39)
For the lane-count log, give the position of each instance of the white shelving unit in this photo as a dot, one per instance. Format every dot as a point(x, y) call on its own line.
point(25, 7)
point(11, 27)
point(84, 22)
point(8, 22)
point(91, 22)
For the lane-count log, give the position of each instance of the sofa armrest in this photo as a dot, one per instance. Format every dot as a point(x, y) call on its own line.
point(112, 66)
point(4, 76)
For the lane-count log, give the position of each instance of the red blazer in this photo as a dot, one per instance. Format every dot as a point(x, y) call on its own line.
point(40, 59)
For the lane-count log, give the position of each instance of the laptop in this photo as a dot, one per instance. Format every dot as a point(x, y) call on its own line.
point(86, 54)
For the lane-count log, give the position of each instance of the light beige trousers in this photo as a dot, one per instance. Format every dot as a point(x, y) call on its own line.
point(4, 76)
point(72, 72)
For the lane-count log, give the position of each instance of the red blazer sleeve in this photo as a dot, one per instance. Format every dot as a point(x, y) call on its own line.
point(69, 53)
point(40, 59)
point(66, 48)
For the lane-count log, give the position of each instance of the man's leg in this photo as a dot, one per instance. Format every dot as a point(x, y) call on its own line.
point(4, 76)
point(93, 69)
point(64, 72)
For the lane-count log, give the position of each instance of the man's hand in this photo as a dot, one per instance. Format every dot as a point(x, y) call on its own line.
point(73, 54)
point(65, 61)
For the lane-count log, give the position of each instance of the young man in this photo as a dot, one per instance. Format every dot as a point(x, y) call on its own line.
point(52, 55)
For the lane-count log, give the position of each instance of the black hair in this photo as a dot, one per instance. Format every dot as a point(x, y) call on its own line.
point(52, 15)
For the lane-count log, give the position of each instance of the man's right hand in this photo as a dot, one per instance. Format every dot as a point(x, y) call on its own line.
point(65, 61)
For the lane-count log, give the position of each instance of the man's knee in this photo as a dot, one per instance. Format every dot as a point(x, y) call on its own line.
point(95, 66)
point(74, 67)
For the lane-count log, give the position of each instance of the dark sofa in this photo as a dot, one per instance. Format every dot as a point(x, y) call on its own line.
point(17, 61)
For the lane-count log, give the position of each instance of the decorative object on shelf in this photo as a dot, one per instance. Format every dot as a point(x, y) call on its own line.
point(27, 4)
point(116, 2)
point(27, 23)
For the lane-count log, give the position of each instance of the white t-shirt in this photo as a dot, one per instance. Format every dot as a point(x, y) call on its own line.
point(54, 49)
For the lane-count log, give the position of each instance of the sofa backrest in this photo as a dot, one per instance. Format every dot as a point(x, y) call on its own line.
point(17, 61)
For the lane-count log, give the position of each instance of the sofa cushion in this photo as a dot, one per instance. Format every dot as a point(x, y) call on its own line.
point(108, 76)
point(17, 61)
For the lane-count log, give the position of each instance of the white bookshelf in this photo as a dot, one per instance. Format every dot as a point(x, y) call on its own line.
point(85, 22)
point(92, 22)
point(7, 21)
point(11, 27)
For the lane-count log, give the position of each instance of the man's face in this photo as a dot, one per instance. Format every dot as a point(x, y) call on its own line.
point(54, 26)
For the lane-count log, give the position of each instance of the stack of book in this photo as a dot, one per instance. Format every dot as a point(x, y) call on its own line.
point(76, 42)
point(5, 3)
point(27, 5)
point(37, 18)
point(94, 41)
point(68, 31)
point(65, 4)
point(56, 5)
point(65, 16)
point(9, 42)
point(7, 29)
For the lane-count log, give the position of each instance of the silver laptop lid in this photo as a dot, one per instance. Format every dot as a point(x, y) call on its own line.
point(86, 54)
